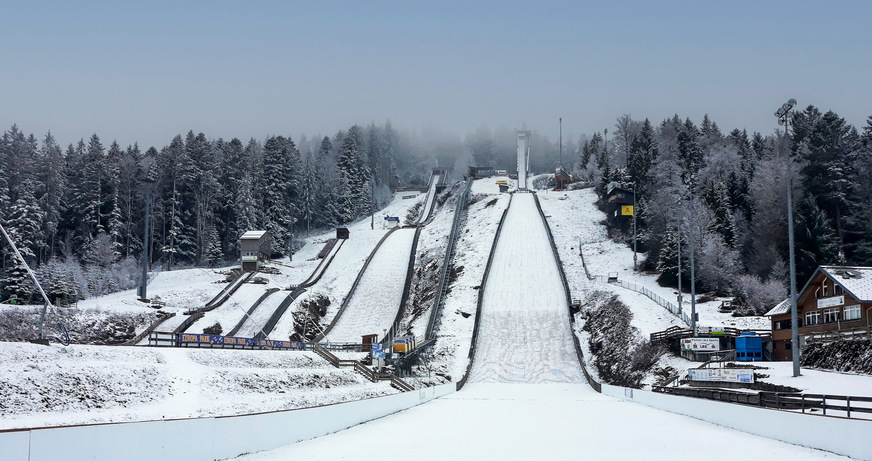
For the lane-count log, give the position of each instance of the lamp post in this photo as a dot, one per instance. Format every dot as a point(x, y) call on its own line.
point(678, 230)
point(783, 114)
point(148, 181)
point(635, 267)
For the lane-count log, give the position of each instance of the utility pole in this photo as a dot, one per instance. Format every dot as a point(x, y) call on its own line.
point(680, 293)
point(145, 243)
point(783, 115)
point(635, 265)
point(693, 283)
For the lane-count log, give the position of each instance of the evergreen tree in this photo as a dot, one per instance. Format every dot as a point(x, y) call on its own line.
point(816, 242)
point(52, 183)
point(24, 226)
point(354, 173)
point(281, 160)
point(643, 152)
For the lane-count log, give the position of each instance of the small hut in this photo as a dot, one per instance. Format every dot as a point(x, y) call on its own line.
point(254, 247)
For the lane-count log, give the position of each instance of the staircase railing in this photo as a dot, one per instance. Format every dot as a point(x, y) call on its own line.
point(362, 369)
point(442, 288)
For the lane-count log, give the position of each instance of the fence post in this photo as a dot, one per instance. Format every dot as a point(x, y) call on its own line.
point(848, 400)
point(824, 404)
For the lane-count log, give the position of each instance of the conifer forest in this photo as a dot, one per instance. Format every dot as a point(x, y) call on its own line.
point(77, 213)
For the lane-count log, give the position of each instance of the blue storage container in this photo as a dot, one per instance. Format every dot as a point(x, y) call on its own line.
point(749, 347)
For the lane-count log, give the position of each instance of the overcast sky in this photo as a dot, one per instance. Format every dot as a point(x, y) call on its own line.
point(145, 71)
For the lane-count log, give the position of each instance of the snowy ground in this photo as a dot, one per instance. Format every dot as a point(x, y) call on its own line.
point(538, 421)
point(56, 385)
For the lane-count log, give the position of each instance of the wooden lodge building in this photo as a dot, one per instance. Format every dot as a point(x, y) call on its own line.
point(835, 302)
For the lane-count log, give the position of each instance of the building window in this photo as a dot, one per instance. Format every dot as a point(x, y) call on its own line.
point(817, 292)
point(812, 318)
point(831, 315)
point(825, 291)
point(837, 290)
point(852, 312)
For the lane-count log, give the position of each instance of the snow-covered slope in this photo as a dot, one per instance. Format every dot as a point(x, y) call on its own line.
point(524, 332)
point(58, 385)
point(375, 302)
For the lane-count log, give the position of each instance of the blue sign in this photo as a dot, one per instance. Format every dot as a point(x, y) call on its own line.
point(392, 218)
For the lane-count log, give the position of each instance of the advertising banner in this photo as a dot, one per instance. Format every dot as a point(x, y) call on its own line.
point(732, 375)
point(700, 344)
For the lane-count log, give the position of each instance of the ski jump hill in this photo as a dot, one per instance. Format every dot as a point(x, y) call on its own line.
point(377, 297)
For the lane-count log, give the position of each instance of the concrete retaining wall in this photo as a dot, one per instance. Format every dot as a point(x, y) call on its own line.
point(849, 437)
point(202, 438)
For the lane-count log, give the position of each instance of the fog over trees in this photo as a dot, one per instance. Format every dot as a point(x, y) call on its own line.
point(77, 212)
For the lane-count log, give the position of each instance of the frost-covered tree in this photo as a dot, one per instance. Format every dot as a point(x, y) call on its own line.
point(51, 183)
point(24, 226)
point(281, 162)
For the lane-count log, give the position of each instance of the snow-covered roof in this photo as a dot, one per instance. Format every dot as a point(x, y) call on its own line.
point(781, 308)
point(855, 280)
point(252, 235)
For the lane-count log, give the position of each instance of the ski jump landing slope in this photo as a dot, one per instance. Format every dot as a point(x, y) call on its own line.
point(375, 302)
point(524, 332)
point(435, 180)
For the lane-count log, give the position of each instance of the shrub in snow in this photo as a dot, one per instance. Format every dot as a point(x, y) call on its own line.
point(621, 357)
point(755, 297)
point(853, 356)
point(215, 329)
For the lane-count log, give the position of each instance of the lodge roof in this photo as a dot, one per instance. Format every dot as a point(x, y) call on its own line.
point(854, 280)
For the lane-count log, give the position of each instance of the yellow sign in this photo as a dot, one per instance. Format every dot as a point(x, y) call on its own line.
point(627, 210)
point(502, 182)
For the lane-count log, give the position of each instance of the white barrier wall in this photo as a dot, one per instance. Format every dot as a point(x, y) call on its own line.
point(849, 437)
point(202, 438)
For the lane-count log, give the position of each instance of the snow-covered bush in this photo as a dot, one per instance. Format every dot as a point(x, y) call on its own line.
point(621, 356)
point(755, 297)
point(854, 356)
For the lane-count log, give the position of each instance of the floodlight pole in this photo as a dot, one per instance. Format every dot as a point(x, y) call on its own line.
point(635, 266)
point(145, 244)
point(678, 230)
point(783, 115)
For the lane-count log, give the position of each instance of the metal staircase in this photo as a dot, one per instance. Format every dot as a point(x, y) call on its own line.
point(460, 214)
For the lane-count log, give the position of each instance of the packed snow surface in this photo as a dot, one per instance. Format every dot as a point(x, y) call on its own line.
point(431, 196)
point(524, 331)
point(375, 302)
point(538, 421)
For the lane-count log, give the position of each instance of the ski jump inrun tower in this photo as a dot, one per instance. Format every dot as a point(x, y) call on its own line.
point(523, 158)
